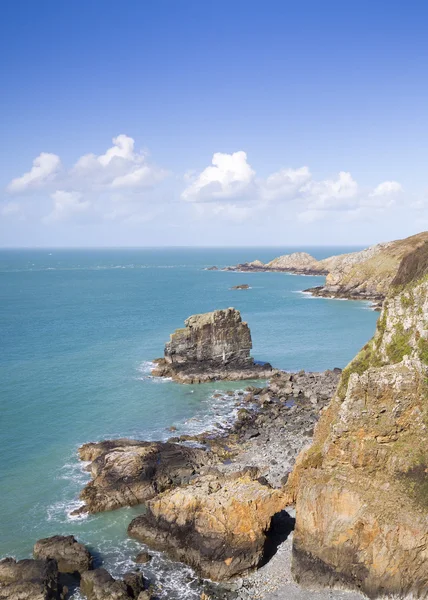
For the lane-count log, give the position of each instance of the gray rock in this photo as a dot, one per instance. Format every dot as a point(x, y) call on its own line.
point(71, 556)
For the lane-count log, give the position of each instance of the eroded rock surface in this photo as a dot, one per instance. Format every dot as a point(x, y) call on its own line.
point(100, 585)
point(128, 472)
point(219, 524)
point(361, 488)
point(29, 580)
point(71, 556)
point(211, 346)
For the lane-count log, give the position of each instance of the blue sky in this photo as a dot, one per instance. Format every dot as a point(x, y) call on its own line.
point(181, 122)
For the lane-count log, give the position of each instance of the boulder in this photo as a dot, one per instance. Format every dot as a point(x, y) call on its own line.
point(242, 286)
point(71, 556)
point(29, 579)
point(100, 585)
point(211, 346)
point(129, 472)
point(219, 524)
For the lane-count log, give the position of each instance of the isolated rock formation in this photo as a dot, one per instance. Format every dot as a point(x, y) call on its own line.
point(129, 472)
point(242, 286)
point(71, 556)
point(211, 346)
point(218, 524)
point(29, 580)
point(361, 490)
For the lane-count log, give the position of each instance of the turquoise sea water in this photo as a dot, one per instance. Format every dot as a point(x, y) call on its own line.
point(78, 331)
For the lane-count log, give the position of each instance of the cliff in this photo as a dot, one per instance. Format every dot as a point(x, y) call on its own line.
point(211, 346)
point(364, 275)
point(361, 489)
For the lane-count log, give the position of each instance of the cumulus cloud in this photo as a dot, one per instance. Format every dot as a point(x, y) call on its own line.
point(229, 188)
point(93, 181)
point(285, 183)
point(331, 193)
point(66, 205)
point(45, 168)
point(387, 188)
point(228, 177)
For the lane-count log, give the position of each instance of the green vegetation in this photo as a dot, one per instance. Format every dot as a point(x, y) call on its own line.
point(399, 345)
point(367, 357)
point(423, 350)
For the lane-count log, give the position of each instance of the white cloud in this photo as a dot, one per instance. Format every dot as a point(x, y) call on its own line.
point(284, 183)
point(66, 205)
point(331, 193)
point(119, 167)
point(228, 177)
point(386, 188)
point(10, 209)
point(45, 168)
point(94, 180)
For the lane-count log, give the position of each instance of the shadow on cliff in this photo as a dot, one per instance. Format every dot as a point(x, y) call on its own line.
point(282, 524)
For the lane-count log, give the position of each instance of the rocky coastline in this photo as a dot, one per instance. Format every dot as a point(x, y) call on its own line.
point(364, 275)
point(327, 468)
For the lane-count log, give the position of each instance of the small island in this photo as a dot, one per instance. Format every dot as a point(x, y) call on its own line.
point(211, 346)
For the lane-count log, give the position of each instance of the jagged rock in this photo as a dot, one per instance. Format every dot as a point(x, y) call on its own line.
point(218, 524)
point(211, 346)
point(297, 262)
point(361, 488)
point(71, 556)
point(100, 585)
point(128, 472)
point(29, 580)
point(242, 286)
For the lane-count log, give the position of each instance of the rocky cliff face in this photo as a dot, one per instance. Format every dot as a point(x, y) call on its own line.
point(361, 490)
point(213, 345)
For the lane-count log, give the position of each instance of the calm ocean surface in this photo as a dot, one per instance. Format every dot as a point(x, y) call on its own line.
point(78, 331)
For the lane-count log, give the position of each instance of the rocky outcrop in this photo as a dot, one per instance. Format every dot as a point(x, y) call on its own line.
point(211, 346)
point(242, 286)
point(367, 275)
point(29, 580)
point(361, 488)
point(364, 275)
point(100, 585)
point(129, 472)
point(297, 262)
point(218, 524)
point(71, 556)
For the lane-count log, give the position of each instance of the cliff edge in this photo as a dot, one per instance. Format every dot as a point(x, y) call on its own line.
point(361, 489)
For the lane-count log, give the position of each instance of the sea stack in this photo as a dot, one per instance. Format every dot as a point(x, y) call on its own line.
point(211, 346)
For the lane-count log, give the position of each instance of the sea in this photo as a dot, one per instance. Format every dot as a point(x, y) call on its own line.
point(79, 329)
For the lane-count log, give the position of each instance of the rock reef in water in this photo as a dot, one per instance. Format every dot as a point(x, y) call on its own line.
point(71, 556)
point(29, 580)
point(361, 489)
point(100, 585)
point(218, 524)
point(242, 286)
point(211, 346)
point(129, 472)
